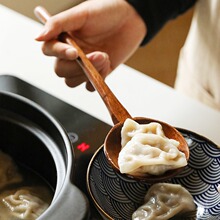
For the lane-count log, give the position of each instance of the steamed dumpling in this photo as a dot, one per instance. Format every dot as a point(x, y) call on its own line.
point(146, 150)
point(163, 201)
point(8, 171)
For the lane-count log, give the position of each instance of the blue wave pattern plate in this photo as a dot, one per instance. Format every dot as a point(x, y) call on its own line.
point(117, 197)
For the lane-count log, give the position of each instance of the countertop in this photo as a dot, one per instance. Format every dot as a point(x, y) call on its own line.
point(21, 56)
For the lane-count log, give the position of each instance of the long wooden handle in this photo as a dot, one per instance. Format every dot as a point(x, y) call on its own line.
point(117, 111)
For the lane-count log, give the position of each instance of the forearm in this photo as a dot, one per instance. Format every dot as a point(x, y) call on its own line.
point(156, 13)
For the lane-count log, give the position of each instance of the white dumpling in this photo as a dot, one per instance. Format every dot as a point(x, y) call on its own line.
point(24, 204)
point(8, 171)
point(131, 128)
point(164, 201)
point(146, 150)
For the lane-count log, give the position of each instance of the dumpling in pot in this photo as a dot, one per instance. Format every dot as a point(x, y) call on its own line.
point(164, 201)
point(23, 204)
point(8, 171)
point(146, 150)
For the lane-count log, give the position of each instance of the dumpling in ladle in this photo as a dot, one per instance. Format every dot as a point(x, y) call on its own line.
point(146, 150)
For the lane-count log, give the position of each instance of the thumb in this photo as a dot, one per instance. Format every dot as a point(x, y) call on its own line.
point(69, 20)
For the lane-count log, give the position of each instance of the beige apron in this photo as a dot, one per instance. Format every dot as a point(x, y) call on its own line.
point(198, 73)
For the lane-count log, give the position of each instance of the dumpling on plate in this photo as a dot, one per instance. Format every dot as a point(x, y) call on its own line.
point(146, 150)
point(164, 201)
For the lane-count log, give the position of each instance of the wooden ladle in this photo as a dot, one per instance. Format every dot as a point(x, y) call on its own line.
point(119, 114)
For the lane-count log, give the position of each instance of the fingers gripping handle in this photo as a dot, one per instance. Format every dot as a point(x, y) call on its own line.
point(117, 111)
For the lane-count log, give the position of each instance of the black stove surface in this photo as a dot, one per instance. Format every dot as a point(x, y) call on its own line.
point(86, 132)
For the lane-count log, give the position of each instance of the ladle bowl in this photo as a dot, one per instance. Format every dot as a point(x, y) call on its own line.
point(112, 150)
point(119, 114)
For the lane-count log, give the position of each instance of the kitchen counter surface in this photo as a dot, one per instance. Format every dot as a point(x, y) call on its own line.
point(21, 56)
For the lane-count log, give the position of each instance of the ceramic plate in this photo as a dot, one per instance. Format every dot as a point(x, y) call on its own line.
point(117, 198)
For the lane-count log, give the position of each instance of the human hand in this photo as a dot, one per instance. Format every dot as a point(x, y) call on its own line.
point(108, 31)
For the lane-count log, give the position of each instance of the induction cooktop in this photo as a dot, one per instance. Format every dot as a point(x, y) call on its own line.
point(86, 132)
